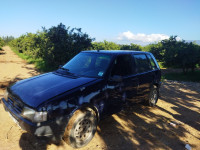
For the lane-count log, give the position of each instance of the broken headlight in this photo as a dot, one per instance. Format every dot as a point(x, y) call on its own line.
point(33, 115)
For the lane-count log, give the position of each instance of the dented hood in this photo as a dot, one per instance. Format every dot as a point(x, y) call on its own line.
point(34, 91)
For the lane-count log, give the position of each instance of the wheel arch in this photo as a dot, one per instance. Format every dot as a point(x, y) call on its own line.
point(87, 106)
point(157, 84)
point(93, 107)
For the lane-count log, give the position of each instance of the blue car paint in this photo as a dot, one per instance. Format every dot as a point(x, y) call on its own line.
point(35, 91)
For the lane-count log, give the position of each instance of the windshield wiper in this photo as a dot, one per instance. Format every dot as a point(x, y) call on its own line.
point(67, 71)
point(64, 68)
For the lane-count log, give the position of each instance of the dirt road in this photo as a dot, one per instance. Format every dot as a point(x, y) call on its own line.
point(172, 124)
point(13, 68)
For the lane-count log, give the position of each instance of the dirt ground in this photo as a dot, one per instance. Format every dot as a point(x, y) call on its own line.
point(172, 124)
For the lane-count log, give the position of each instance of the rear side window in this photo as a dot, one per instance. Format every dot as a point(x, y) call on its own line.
point(142, 63)
point(153, 64)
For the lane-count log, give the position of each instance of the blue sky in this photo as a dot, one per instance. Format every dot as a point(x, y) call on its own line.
point(121, 21)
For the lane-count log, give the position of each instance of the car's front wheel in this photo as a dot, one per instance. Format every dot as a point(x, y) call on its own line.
point(81, 128)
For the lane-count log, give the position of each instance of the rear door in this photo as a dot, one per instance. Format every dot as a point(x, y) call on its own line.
point(144, 74)
point(155, 69)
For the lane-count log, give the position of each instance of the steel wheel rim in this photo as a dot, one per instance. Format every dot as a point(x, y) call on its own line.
point(154, 97)
point(83, 130)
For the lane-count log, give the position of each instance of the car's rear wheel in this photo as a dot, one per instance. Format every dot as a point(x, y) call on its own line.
point(81, 128)
point(153, 96)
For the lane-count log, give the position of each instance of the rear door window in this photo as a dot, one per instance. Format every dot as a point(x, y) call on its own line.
point(142, 63)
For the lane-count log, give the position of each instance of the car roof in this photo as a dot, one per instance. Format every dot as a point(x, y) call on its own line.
point(115, 52)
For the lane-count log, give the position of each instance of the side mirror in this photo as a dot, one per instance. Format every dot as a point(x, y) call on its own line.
point(116, 78)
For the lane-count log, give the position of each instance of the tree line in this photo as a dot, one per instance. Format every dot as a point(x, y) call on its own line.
point(2, 43)
point(54, 46)
point(58, 44)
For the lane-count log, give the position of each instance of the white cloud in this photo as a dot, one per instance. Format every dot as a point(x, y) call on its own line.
point(178, 38)
point(141, 37)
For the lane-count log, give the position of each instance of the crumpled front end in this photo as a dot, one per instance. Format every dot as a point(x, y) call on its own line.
point(53, 128)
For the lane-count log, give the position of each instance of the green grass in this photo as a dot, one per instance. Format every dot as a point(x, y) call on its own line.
point(190, 76)
point(39, 62)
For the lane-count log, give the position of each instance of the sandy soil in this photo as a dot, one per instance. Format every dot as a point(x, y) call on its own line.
point(172, 124)
point(13, 68)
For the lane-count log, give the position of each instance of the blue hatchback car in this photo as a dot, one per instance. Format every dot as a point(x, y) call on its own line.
point(69, 102)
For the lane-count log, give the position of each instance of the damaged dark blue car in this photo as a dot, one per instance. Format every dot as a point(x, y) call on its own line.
point(69, 102)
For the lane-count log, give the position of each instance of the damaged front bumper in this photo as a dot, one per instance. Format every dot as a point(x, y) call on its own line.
point(52, 128)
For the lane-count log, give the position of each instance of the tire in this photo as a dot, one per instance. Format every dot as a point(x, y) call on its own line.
point(81, 128)
point(153, 96)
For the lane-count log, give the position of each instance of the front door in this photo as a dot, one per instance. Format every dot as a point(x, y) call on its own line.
point(120, 91)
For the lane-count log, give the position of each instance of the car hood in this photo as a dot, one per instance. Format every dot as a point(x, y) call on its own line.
point(36, 90)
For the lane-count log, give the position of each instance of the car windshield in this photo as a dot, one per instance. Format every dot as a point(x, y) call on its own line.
point(88, 64)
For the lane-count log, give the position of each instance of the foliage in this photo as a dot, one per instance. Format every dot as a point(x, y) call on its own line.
point(1, 42)
point(157, 50)
point(176, 54)
point(131, 47)
point(105, 45)
point(56, 45)
point(53, 46)
point(7, 39)
point(63, 44)
point(180, 54)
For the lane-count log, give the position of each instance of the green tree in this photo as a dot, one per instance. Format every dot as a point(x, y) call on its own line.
point(131, 47)
point(105, 45)
point(63, 43)
point(7, 39)
point(180, 54)
point(157, 50)
point(54, 46)
point(1, 42)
